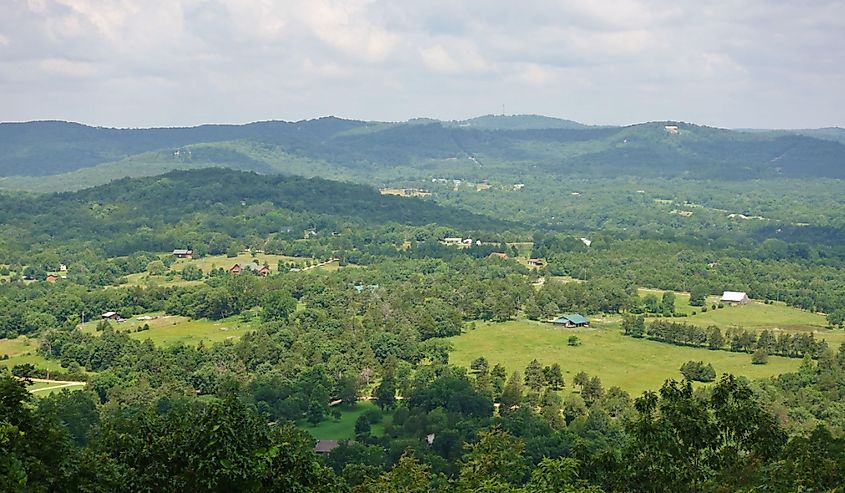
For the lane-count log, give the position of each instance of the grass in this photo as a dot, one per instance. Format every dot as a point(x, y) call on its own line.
point(342, 429)
point(168, 330)
point(633, 364)
point(23, 350)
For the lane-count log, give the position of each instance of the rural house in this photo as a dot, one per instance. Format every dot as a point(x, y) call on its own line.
point(51, 278)
point(573, 320)
point(111, 316)
point(261, 270)
point(325, 446)
point(183, 253)
point(734, 298)
point(535, 262)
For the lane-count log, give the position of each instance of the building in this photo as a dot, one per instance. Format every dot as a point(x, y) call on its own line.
point(325, 446)
point(111, 316)
point(734, 298)
point(51, 278)
point(536, 262)
point(62, 268)
point(452, 241)
point(183, 253)
point(261, 270)
point(671, 129)
point(573, 320)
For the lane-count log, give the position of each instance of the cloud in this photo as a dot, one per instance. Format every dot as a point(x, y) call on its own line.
point(751, 63)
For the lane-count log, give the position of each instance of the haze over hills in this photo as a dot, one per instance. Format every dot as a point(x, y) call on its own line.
point(68, 156)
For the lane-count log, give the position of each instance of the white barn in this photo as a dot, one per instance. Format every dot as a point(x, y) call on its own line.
point(734, 298)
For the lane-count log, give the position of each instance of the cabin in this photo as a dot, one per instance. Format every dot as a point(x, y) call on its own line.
point(62, 268)
point(535, 262)
point(573, 320)
point(261, 270)
point(734, 298)
point(452, 241)
point(183, 253)
point(51, 278)
point(111, 316)
point(325, 446)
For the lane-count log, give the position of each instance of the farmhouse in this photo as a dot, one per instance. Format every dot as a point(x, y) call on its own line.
point(452, 241)
point(183, 253)
point(734, 298)
point(111, 316)
point(261, 270)
point(51, 278)
point(325, 446)
point(574, 320)
point(535, 262)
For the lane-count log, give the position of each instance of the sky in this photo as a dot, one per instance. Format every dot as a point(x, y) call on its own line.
point(142, 63)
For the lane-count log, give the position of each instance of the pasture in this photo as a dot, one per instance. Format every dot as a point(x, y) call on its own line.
point(331, 429)
point(171, 330)
point(633, 364)
point(23, 350)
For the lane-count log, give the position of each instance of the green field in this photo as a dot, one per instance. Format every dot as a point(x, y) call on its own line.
point(330, 429)
point(170, 330)
point(23, 350)
point(633, 364)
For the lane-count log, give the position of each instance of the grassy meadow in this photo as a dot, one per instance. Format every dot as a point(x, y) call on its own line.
point(171, 330)
point(633, 364)
point(343, 429)
point(23, 350)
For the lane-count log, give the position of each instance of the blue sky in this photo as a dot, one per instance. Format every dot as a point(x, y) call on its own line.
point(133, 63)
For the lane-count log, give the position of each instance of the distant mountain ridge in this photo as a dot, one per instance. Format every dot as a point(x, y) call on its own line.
point(50, 155)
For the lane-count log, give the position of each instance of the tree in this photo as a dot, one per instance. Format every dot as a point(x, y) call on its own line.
point(558, 476)
point(348, 387)
point(592, 391)
point(191, 273)
point(511, 395)
point(480, 365)
point(385, 393)
point(714, 338)
point(633, 325)
point(554, 376)
point(581, 378)
point(534, 378)
point(277, 305)
point(698, 371)
point(667, 303)
point(496, 460)
point(362, 426)
point(698, 295)
point(760, 357)
point(156, 268)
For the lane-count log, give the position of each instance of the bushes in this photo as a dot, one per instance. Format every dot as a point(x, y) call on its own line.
point(698, 371)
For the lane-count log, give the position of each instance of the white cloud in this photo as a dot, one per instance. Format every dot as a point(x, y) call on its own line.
point(237, 60)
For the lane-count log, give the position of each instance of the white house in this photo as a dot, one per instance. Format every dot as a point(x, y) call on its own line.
point(734, 298)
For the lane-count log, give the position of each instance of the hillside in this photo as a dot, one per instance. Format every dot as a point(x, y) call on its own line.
point(146, 213)
point(55, 156)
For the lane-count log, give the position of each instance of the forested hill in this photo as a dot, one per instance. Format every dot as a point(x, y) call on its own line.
point(209, 201)
point(375, 152)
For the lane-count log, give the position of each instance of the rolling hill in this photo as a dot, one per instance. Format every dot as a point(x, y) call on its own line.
point(56, 156)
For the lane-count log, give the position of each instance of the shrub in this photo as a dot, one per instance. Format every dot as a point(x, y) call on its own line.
point(698, 371)
point(574, 341)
